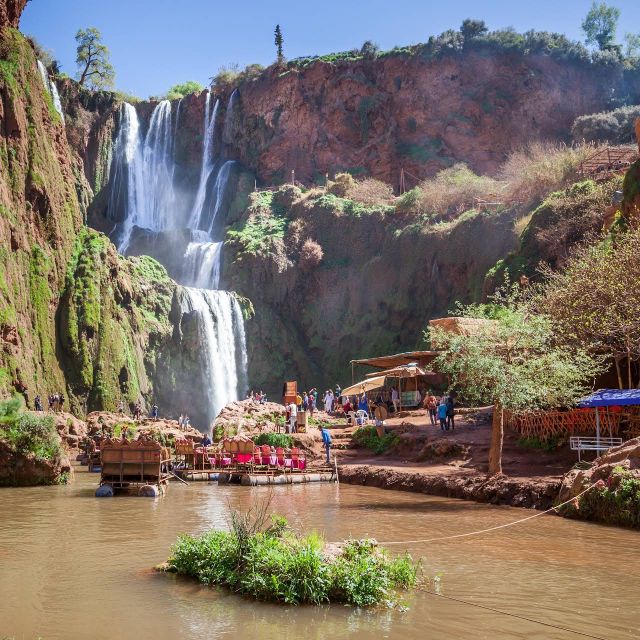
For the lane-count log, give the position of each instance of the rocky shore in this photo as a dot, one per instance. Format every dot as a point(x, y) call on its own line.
point(515, 492)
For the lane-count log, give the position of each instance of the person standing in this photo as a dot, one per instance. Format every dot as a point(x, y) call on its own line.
point(326, 440)
point(338, 392)
point(38, 403)
point(450, 412)
point(442, 415)
point(432, 407)
point(293, 417)
point(154, 411)
point(395, 399)
point(305, 401)
point(328, 401)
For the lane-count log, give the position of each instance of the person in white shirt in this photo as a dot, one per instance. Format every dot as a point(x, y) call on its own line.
point(293, 417)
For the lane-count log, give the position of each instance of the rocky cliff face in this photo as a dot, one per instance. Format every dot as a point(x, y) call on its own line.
point(375, 116)
point(39, 219)
point(331, 280)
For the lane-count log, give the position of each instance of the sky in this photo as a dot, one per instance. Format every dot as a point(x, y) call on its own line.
point(155, 44)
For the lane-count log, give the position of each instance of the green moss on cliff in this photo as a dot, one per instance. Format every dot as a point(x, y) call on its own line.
point(563, 219)
point(113, 315)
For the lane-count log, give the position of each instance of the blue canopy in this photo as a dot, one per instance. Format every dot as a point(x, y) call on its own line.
point(611, 398)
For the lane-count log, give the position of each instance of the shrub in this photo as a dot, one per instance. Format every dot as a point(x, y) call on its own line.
point(232, 75)
point(310, 255)
point(32, 433)
point(274, 439)
point(183, 89)
point(615, 127)
point(341, 185)
point(617, 503)
point(368, 437)
point(369, 50)
point(540, 168)
point(275, 563)
point(371, 192)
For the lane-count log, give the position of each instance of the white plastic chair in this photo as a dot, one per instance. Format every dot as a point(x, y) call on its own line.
point(362, 417)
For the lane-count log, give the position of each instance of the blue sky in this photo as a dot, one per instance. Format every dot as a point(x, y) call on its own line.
point(157, 43)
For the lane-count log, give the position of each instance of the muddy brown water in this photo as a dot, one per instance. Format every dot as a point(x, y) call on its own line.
point(75, 566)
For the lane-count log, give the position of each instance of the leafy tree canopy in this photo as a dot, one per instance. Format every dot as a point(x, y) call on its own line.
point(183, 89)
point(600, 24)
point(94, 68)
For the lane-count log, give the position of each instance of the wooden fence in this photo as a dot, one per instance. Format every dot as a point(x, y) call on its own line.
point(546, 425)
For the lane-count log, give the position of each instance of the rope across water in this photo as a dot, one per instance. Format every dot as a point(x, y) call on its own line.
point(500, 526)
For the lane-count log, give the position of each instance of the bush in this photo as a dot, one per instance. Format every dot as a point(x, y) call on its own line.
point(368, 437)
point(341, 185)
point(184, 89)
point(310, 255)
point(371, 192)
point(531, 173)
point(618, 503)
point(32, 433)
point(232, 75)
point(274, 439)
point(274, 563)
point(614, 127)
point(369, 50)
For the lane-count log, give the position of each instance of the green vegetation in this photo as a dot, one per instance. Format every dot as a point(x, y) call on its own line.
point(183, 89)
point(565, 218)
point(230, 75)
point(26, 432)
point(266, 223)
point(511, 358)
point(551, 444)
point(617, 503)
point(278, 41)
point(271, 562)
point(92, 59)
point(591, 302)
point(614, 127)
point(368, 438)
point(600, 24)
point(274, 440)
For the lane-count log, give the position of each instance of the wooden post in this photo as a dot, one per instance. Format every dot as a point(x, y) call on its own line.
point(497, 437)
point(352, 378)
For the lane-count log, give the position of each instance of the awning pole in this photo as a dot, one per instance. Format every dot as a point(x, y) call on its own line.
point(598, 430)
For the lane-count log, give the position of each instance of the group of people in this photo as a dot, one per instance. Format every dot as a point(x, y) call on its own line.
point(56, 402)
point(184, 422)
point(441, 410)
point(257, 396)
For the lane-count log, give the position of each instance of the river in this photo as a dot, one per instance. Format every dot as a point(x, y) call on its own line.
point(74, 566)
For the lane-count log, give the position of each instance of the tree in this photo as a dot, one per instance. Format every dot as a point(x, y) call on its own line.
point(594, 301)
point(279, 40)
point(508, 357)
point(632, 40)
point(600, 25)
point(471, 29)
point(369, 50)
point(92, 59)
point(183, 89)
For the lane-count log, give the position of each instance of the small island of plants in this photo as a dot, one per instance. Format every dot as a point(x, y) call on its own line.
point(264, 558)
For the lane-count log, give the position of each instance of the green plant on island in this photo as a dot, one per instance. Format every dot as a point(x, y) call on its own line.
point(263, 558)
point(27, 432)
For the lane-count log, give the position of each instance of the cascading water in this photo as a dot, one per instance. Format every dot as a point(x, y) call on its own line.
point(143, 195)
point(223, 338)
point(207, 165)
point(51, 88)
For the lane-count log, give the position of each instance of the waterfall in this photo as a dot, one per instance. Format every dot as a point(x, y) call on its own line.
point(51, 88)
point(143, 171)
point(221, 328)
point(202, 265)
point(143, 195)
point(207, 164)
